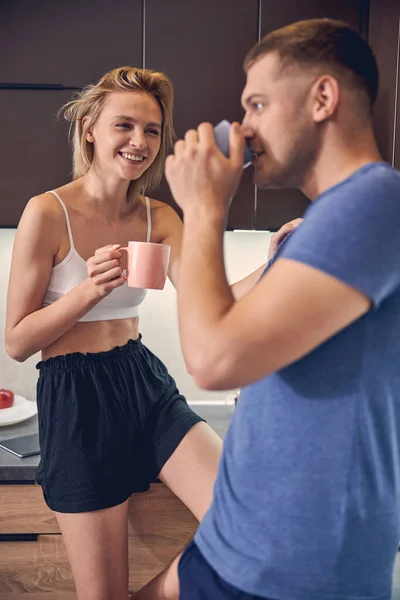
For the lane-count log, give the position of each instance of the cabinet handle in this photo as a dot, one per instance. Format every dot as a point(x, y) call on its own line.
point(36, 86)
point(19, 537)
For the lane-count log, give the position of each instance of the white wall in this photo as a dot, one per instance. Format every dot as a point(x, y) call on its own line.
point(244, 252)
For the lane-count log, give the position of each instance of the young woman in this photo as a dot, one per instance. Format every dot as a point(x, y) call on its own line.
point(110, 415)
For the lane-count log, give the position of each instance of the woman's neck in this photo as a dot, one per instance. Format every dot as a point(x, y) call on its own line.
point(112, 195)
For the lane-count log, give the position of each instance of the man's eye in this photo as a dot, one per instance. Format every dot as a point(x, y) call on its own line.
point(258, 106)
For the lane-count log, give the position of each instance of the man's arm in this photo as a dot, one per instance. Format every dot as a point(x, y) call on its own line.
point(293, 309)
point(172, 227)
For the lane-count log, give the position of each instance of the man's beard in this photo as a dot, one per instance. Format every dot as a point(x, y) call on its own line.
point(299, 162)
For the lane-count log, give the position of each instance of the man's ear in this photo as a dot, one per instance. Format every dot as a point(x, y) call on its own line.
point(325, 94)
point(88, 134)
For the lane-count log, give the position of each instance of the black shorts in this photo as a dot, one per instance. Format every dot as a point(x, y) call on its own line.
point(198, 580)
point(108, 422)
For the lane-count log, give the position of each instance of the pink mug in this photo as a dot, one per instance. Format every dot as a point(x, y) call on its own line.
point(147, 265)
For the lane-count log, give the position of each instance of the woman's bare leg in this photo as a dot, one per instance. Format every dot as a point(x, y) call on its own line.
point(190, 473)
point(97, 546)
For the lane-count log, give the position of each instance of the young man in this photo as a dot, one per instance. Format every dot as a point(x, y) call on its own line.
point(306, 501)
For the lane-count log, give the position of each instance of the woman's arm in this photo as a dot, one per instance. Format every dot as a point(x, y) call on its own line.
point(170, 228)
point(29, 327)
point(244, 286)
point(173, 231)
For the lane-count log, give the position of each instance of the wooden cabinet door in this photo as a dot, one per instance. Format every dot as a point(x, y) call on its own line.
point(275, 14)
point(69, 43)
point(159, 528)
point(201, 47)
point(384, 36)
point(23, 510)
point(34, 149)
point(36, 570)
point(274, 207)
point(73, 43)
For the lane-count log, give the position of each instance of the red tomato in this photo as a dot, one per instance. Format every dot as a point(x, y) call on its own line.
point(6, 398)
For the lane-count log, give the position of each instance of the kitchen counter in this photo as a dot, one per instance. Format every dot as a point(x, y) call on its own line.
point(12, 468)
point(23, 470)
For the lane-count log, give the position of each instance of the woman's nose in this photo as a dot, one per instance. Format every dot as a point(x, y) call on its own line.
point(138, 139)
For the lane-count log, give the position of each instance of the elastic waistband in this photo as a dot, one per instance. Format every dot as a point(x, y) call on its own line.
point(79, 359)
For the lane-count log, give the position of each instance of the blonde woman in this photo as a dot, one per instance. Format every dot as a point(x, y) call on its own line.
point(110, 415)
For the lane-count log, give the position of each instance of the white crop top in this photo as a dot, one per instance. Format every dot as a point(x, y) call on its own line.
point(121, 303)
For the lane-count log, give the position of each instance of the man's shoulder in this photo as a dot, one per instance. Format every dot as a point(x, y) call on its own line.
point(372, 190)
point(371, 179)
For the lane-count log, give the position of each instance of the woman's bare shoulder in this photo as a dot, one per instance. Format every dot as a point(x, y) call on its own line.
point(47, 201)
point(162, 207)
point(45, 210)
point(166, 221)
point(44, 206)
point(160, 211)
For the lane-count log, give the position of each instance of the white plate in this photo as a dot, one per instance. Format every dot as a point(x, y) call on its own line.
point(21, 410)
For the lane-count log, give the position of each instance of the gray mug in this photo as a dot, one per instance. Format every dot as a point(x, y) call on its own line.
point(221, 134)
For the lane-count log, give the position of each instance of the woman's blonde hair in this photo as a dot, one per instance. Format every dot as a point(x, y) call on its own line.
point(89, 103)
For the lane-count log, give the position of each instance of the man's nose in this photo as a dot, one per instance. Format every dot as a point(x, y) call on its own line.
point(247, 129)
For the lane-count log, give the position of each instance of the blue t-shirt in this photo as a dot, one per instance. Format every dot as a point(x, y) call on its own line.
point(306, 503)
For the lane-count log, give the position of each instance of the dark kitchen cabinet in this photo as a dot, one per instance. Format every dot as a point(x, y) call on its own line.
point(274, 207)
point(34, 149)
point(276, 14)
point(384, 36)
point(201, 47)
point(73, 43)
point(69, 43)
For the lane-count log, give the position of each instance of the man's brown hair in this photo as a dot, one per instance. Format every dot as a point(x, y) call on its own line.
point(326, 43)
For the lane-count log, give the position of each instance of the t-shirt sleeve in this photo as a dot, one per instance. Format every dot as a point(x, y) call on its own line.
point(353, 234)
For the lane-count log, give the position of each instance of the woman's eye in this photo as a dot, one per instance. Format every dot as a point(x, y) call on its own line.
point(153, 131)
point(123, 125)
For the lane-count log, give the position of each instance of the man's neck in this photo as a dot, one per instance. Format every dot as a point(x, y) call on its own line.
point(338, 161)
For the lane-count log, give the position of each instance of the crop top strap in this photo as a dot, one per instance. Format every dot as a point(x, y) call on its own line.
point(148, 208)
point(71, 240)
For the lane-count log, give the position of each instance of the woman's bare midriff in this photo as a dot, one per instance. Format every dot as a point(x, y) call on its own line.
point(94, 336)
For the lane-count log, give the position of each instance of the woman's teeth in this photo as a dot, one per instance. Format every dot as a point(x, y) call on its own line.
point(133, 157)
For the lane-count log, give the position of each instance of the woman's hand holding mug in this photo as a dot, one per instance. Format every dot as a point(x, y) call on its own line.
point(104, 269)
